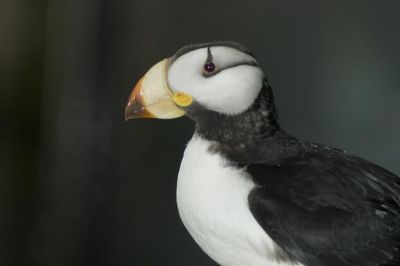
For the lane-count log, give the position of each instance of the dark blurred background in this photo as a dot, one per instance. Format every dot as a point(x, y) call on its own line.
point(80, 186)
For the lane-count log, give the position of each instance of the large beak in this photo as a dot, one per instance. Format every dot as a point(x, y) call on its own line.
point(152, 97)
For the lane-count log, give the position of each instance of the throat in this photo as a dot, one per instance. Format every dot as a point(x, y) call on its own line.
point(259, 121)
point(269, 149)
point(244, 129)
point(250, 137)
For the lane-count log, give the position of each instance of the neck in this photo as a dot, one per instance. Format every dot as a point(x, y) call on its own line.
point(254, 135)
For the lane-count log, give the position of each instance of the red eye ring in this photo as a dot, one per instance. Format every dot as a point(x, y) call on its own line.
point(209, 67)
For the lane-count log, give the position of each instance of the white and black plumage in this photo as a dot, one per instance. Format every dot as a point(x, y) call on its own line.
point(248, 192)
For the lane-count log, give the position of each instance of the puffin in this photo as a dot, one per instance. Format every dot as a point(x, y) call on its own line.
point(249, 192)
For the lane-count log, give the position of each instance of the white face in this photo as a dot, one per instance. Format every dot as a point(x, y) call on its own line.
point(233, 87)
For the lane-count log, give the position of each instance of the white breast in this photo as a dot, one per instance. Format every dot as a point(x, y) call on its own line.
point(213, 205)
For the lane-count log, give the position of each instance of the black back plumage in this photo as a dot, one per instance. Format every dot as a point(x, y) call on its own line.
point(327, 207)
point(323, 206)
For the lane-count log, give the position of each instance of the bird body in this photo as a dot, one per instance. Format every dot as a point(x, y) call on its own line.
point(213, 205)
point(250, 193)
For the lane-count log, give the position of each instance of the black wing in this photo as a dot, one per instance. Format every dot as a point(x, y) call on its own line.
point(329, 208)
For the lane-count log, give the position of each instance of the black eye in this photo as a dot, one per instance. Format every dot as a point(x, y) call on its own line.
point(209, 67)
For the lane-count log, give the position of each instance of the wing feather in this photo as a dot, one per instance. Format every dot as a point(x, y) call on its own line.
point(329, 208)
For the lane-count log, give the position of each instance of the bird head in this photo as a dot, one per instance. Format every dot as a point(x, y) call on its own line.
point(219, 83)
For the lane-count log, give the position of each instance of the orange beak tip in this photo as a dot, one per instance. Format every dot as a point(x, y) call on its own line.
point(135, 109)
